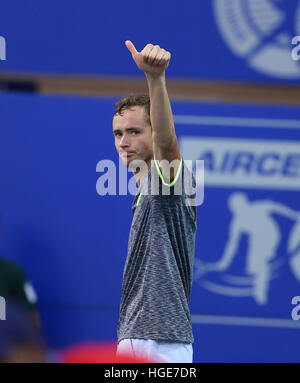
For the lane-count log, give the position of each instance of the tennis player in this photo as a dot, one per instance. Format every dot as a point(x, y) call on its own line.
point(155, 320)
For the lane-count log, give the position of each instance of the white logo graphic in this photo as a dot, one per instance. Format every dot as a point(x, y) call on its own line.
point(256, 220)
point(261, 31)
point(2, 48)
point(296, 310)
point(258, 244)
point(251, 163)
point(296, 51)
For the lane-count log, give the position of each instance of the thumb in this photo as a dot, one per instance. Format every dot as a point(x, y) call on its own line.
point(131, 47)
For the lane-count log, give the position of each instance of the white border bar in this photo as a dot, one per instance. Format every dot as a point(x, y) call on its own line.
point(245, 321)
point(237, 121)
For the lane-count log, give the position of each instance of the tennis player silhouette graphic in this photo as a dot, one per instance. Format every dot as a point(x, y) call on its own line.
point(255, 220)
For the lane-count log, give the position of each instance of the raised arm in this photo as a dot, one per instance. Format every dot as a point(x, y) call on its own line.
point(153, 61)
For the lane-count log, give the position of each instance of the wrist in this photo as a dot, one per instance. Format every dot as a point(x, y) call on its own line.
point(155, 77)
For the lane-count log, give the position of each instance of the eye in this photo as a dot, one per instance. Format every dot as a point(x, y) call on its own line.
point(134, 132)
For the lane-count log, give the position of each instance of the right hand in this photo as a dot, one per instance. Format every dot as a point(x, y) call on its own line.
point(153, 60)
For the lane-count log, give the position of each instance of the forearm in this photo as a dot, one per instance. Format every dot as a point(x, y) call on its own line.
point(163, 130)
point(153, 61)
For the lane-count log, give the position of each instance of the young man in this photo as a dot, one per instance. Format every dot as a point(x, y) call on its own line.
point(155, 317)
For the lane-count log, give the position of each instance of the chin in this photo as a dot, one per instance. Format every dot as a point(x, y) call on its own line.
point(126, 162)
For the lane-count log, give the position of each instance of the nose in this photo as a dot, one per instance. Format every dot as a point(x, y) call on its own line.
point(124, 141)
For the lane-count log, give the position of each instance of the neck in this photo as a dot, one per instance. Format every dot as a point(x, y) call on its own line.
point(142, 173)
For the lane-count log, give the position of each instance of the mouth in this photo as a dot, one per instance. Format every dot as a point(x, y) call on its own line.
point(127, 154)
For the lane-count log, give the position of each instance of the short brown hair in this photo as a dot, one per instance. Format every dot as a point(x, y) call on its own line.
point(131, 101)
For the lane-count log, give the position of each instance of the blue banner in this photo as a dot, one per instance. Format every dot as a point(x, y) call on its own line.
point(72, 241)
point(247, 266)
point(239, 40)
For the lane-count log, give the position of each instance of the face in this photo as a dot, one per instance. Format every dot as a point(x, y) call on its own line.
point(133, 136)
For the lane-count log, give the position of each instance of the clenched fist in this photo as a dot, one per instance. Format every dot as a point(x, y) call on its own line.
point(153, 60)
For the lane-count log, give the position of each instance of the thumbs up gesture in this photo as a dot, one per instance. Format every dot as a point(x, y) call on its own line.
point(153, 60)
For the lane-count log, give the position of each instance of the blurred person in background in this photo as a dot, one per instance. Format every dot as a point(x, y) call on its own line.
point(19, 331)
point(99, 352)
point(20, 340)
point(15, 287)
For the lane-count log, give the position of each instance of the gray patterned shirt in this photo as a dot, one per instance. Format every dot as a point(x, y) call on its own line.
point(158, 271)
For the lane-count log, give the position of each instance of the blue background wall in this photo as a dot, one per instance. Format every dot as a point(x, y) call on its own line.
point(247, 40)
point(72, 242)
